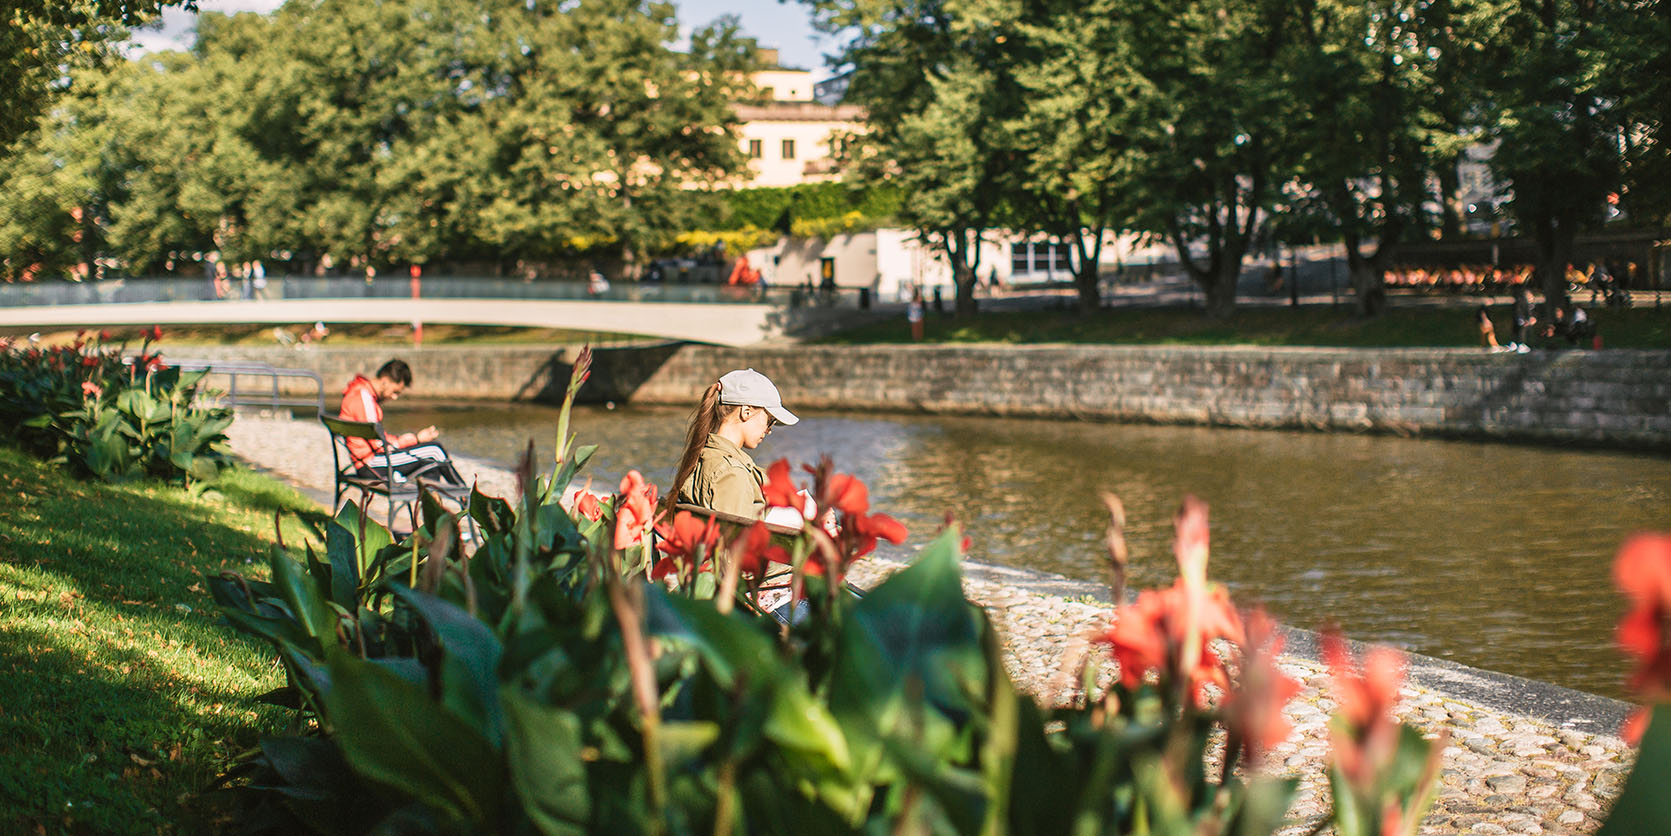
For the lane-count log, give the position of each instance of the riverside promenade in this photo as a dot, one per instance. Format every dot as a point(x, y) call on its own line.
point(1524, 757)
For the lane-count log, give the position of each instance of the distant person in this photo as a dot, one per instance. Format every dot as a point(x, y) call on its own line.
point(258, 278)
point(715, 471)
point(1577, 326)
point(914, 314)
point(1488, 332)
point(408, 452)
point(596, 283)
point(1524, 320)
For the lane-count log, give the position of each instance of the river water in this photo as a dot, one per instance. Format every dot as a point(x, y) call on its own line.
point(1492, 555)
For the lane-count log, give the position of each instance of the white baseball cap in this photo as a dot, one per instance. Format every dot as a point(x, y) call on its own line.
point(747, 387)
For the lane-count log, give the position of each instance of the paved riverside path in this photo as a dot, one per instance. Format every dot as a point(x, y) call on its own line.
point(732, 324)
point(1504, 772)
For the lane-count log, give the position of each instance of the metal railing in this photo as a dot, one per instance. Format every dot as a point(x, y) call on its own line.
point(268, 393)
point(173, 289)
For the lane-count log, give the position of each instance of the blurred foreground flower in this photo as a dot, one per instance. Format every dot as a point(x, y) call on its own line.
point(1643, 572)
point(635, 509)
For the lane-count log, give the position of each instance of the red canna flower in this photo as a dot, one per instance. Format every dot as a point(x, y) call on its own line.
point(1366, 734)
point(754, 550)
point(634, 509)
point(1154, 634)
point(1254, 708)
point(1643, 572)
point(688, 539)
point(91, 389)
point(587, 506)
point(780, 488)
point(867, 528)
point(104, 336)
point(847, 494)
point(154, 333)
point(89, 361)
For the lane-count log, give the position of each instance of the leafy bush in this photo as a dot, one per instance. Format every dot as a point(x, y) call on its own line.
point(766, 207)
point(85, 406)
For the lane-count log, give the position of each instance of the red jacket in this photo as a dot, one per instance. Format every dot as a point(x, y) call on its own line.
point(359, 403)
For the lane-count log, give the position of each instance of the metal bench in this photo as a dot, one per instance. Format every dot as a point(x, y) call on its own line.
point(402, 490)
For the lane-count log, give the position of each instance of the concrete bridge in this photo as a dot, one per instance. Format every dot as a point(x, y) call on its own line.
point(732, 324)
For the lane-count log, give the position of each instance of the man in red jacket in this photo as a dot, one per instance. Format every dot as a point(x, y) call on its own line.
point(409, 452)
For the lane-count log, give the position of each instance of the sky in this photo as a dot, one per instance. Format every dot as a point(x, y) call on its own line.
point(787, 26)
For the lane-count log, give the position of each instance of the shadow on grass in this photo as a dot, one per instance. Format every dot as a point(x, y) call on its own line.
point(120, 695)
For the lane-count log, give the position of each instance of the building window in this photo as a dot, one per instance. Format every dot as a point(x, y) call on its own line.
point(789, 149)
point(1038, 258)
point(754, 150)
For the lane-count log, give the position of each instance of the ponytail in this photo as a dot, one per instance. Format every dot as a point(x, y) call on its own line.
point(704, 420)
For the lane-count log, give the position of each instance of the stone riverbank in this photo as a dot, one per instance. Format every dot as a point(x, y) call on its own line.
point(1524, 758)
point(1615, 397)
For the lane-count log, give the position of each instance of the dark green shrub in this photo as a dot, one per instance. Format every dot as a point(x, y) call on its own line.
point(85, 406)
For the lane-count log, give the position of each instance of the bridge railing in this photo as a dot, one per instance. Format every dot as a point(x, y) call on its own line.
point(173, 289)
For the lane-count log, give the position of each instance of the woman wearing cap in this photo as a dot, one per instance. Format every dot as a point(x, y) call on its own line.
point(735, 415)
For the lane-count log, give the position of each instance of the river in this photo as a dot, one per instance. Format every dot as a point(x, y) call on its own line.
point(1496, 556)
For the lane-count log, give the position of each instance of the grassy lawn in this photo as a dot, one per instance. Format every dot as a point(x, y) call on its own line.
point(120, 697)
point(1317, 325)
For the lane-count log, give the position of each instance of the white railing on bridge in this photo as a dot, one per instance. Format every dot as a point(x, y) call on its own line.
point(173, 289)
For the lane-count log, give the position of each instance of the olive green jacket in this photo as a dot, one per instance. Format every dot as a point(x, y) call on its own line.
point(725, 479)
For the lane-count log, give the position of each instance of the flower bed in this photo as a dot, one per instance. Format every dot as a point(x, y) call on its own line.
point(108, 416)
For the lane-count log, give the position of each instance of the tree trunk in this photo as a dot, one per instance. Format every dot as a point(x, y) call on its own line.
point(1554, 234)
point(1086, 278)
point(965, 260)
point(1220, 287)
point(1451, 210)
point(1369, 292)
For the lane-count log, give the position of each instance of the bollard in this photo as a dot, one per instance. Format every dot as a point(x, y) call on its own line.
point(864, 298)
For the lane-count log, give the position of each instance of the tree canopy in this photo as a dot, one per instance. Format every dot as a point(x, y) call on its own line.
point(391, 133)
point(1221, 126)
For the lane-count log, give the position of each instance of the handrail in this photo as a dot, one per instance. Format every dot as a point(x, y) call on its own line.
point(273, 399)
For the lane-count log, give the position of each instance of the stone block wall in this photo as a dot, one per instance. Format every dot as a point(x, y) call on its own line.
point(1615, 397)
point(1609, 397)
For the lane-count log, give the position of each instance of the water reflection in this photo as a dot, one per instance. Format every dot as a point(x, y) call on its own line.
point(1492, 555)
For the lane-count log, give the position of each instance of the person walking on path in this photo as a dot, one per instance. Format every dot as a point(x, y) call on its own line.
point(1524, 319)
point(736, 413)
point(914, 314)
point(408, 452)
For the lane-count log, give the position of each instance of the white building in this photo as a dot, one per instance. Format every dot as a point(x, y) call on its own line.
point(893, 261)
point(787, 136)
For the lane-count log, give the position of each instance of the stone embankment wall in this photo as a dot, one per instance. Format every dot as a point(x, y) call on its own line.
point(1609, 397)
point(1616, 397)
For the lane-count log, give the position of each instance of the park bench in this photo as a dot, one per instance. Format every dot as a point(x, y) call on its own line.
point(400, 490)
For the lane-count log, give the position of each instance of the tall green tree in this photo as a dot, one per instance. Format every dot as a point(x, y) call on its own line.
point(1638, 59)
point(1075, 68)
point(418, 130)
point(42, 41)
point(1558, 143)
point(1211, 124)
point(936, 84)
point(1373, 123)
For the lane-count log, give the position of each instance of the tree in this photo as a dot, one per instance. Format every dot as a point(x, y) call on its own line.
point(935, 85)
point(418, 130)
point(41, 41)
point(1558, 148)
point(1639, 62)
point(1076, 71)
point(1372, 125)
